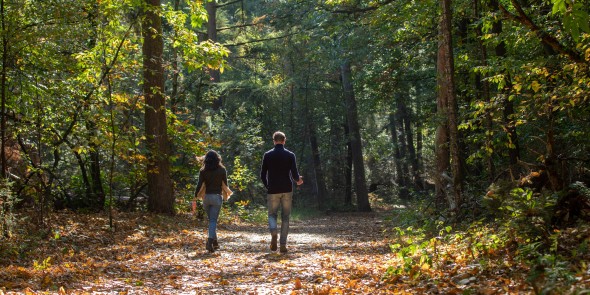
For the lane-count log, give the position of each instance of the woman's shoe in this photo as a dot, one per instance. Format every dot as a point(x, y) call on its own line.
point(209, 245)
point(215, 244)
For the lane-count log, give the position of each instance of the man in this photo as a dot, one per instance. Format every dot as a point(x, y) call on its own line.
point(278, 170)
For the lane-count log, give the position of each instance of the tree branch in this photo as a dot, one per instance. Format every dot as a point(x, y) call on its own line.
point(238, 26)
point(547, 39)
point(354, 9)
point(259, 40)
point(228, 3)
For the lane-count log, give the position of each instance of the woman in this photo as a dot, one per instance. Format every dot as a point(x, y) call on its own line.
point(212, 176)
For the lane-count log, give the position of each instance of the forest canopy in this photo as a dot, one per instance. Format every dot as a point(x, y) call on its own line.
point(375, 96)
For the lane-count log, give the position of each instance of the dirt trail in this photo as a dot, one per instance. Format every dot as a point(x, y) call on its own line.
point(332, 254)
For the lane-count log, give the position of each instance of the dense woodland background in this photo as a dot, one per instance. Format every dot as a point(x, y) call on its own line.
point(477, 110)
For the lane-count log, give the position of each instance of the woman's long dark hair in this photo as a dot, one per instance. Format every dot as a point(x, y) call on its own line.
point(212, 161)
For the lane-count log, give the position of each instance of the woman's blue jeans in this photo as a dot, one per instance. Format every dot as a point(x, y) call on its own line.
point(212, 206)
point(284, 201)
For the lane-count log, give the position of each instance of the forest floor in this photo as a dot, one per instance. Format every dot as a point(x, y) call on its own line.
point(339, 253)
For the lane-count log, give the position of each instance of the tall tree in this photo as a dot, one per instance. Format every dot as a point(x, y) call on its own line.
point(3, 78)
point(447, 141)
point(362, 194)
point(160, 187)
point(507, 103)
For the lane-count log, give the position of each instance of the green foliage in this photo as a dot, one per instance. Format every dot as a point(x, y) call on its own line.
point(575, 19)
point(241, 176)
point(518, 239)
point(529, 214)
point(416, 252)
point(8, 217)
point(251, 212)
point(195, 54)
point(548, 268)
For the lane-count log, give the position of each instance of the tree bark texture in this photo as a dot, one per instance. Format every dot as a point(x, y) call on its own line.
point(174, 95)
point(211, 8)
point(97, 199)
point(402, 148)
point(348, 167)
point(160, 187)
point(3, 80)
point(447, 137)
point(362, 193)
point(414, 169)
point(322, 195)
point(399, 172)
point(322, 192)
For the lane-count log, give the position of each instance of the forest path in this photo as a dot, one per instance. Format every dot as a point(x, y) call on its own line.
point(340, 253)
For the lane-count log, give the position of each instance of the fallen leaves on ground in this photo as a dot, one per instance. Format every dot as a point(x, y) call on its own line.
point(151, 254)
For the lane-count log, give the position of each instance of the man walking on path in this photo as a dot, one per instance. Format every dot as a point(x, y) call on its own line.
point(279, 169)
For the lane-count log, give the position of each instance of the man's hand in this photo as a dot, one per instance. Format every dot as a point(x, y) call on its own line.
point(300, 181)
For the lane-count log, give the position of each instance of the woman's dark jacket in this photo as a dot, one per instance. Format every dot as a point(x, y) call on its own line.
point(212, 179)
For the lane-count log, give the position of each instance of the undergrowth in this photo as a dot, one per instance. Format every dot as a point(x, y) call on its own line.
point(515, 241)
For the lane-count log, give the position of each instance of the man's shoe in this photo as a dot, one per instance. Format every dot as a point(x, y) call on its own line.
point(273, 242)
point(215, 244)
point(283, 248)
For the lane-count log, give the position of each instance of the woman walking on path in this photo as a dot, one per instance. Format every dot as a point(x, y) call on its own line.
point(212, 178)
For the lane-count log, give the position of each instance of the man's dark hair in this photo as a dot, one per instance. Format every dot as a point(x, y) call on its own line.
point(279, 136)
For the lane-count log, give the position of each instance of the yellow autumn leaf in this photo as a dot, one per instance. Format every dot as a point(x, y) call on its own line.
point(336, 291)
point(536, 86)
point(351, 284)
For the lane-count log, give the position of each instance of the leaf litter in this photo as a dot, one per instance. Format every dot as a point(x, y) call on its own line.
point(340, 253)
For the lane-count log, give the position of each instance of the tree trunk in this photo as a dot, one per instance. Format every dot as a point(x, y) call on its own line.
point(415, 170)
point(322, 196)
point(402, 147)
point(447, 141)
point(160, 187)
point(483, 87)
point(348, 167)
point(336, 156)
point(211, 8)
point(419, 153)
point(362, 194)
point(97, 199)
point(508, 105)
point(420, 140)
point(399, 172)
point(174, 95)
point(3, 80)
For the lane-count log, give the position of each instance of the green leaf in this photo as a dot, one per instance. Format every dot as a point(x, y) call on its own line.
point(582, 19)
point(559, 6)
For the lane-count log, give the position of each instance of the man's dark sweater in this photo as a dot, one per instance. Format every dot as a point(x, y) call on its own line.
point(278, 168)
